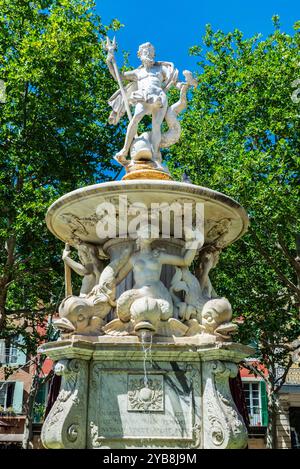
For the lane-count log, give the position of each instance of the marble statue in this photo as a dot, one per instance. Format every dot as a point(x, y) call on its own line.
point(199, 307)
point(149, 301)
point(86, 314)
point(90, 267)
point(216, 319)
point(147, 92)
point(190, 306)
point(207, 260)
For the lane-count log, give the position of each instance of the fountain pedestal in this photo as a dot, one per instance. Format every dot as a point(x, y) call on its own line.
point(104, 403)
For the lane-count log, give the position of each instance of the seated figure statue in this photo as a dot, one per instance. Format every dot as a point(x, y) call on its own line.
point(89, 267)
point(149, 304)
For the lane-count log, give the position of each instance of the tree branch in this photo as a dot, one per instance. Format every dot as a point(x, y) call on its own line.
point(283, 377)
point(283, 247)
point(278, 272)
point(254, 370)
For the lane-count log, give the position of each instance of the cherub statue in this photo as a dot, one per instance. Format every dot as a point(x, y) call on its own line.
point(146, 91)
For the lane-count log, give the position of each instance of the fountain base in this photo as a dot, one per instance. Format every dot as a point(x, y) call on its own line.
point(103, 401)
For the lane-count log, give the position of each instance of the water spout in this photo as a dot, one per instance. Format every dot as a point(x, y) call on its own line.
point(146, 340)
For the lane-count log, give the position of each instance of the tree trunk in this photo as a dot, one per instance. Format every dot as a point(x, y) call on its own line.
point(35, 384)
point(3, 296)
point(272, 430)
point(6, 278)
point(272, 423)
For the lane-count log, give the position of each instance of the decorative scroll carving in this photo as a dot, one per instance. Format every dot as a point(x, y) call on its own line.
point(217, 231)
point(224, 426)
point(65, 425)
point(94, 431)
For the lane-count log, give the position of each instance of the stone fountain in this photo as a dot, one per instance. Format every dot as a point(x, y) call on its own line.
point(146, 348)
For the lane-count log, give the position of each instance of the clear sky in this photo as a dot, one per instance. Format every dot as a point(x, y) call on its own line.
point(173, 26)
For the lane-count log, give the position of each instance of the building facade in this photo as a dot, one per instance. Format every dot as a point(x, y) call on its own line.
point(15, 389)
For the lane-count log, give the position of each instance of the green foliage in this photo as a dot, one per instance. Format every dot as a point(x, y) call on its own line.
point(39, 412)
point(241, 137)
point(54, 138)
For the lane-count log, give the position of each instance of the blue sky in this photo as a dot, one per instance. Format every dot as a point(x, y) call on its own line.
point(173, 26)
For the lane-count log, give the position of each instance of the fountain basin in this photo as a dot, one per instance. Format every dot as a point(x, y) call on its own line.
point(76, 214)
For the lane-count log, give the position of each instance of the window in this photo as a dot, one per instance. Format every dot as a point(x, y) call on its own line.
point(294, 413)
point(6, 394)
point(11, 353)
point(252, 395)
point(11, 396)
point(40, 403)
point(256, 400)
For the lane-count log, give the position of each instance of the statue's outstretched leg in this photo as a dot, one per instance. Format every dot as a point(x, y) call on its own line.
point(140, 112)
point(157, 120)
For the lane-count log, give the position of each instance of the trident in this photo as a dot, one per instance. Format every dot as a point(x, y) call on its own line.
point(111, 46)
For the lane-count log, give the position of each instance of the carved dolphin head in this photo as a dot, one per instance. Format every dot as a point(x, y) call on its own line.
point(74, 312)
point(214, 313)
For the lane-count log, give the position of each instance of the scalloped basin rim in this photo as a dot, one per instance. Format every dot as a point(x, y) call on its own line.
point(80, 200)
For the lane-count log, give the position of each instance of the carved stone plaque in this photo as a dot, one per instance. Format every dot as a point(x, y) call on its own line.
point(145, 395)
point(128, 411)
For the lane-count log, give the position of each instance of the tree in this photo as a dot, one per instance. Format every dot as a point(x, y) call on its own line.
point(241, 137)
point(54, 138)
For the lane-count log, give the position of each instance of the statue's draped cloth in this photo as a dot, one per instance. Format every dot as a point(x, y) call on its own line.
point(134, 95)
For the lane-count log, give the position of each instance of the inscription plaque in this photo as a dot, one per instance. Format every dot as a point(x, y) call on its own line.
point(162, 410)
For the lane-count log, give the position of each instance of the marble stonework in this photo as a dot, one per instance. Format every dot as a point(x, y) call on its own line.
point(75, 214)
point(187, 403)
point(147, 93)
point(192, 352)
point(146, 348)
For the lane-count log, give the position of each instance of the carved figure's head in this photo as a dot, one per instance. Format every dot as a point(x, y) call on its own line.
point(208, 258)
point(87, 253)
point(146, 53)
point(144, 239)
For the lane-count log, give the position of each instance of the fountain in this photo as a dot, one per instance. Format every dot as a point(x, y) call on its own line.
point(146, 348)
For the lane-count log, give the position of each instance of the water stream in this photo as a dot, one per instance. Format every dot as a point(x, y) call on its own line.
point(146, 340)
